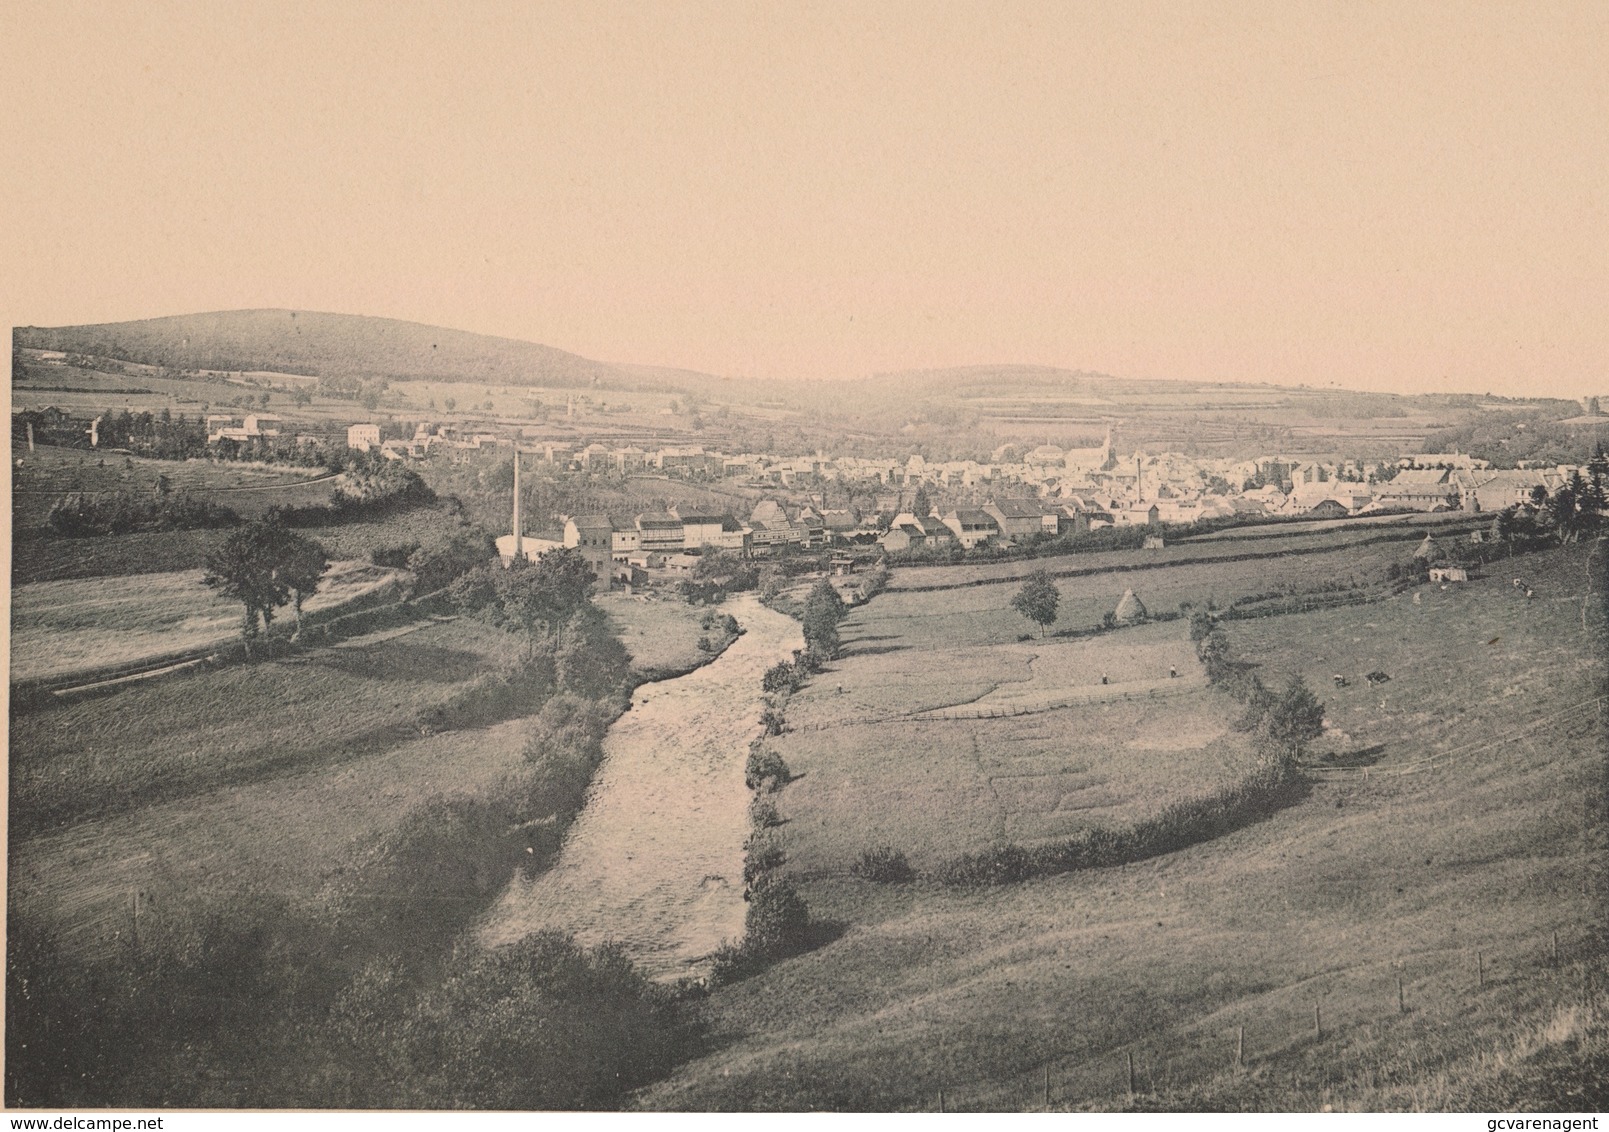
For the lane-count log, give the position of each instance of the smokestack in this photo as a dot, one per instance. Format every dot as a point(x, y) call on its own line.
point(518, 544)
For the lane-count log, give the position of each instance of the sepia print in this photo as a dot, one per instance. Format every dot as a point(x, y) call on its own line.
point(1087, 595)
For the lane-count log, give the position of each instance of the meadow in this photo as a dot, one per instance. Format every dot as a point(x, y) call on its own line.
point(274, 775)
point(69, 627)
point(1261, 543)
point(1290, 936)
point(249, 489)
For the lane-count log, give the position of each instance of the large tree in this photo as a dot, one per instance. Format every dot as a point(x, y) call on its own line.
point(1038, 599)
point(823, 610)
point(263, 565)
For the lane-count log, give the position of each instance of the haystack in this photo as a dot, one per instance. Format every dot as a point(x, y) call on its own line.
point(1428, 550)
point(1130, 608)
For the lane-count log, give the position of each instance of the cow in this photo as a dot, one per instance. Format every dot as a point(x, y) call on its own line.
point(1341, 681)
point(1376, 678)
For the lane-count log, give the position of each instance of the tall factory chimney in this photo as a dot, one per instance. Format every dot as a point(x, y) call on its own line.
point(519, 545)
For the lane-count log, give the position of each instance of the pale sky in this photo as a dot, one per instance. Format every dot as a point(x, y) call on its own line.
point(1402, 196)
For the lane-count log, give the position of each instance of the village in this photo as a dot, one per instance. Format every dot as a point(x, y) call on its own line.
point(958, 506)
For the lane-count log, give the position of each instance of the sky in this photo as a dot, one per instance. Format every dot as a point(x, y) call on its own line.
point(1389, 196)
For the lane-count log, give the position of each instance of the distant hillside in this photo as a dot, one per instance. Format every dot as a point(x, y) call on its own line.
point(328, 345)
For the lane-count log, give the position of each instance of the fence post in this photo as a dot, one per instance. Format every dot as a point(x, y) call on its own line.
point(1480, 968)
point(1318, 1023)
point(1047, 1086)
point(1555, 947)
point(1240, 1047)
point(1402, 1006)
point(941, 1100)
point(1131, 1072)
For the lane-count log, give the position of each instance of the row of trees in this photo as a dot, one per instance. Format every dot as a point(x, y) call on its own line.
point(1284, 722)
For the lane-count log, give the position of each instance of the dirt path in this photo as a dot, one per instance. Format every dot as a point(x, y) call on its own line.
point(655, 860)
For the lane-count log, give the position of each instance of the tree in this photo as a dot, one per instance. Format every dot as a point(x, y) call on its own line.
point(1213, 652)
point(1563, 507)
point(1596, 496)
point(823, 610)
point(1038, 599)
point(262, 565)
point(526, 595)
point(451, 404)
point(1293, 719)
point(921, 506)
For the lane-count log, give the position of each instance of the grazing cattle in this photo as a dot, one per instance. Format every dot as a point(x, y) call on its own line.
point(1341, 681)
point(1104, 680)
point(1377, 677)
point(1173, 673)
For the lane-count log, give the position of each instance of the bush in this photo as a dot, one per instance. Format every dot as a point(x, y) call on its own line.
point(759, 860)
point(777, 923)
point(1183, 823)
point(763, 812)
point(81, 516)
point(393, 557)
point(765, 769)
point(545, 1024)
point(773, 720)
point(782, 677)
point(884, 864)
point(732, 962)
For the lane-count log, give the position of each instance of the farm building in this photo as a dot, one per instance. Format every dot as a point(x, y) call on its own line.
point(1153, 542)
point(1130, 609)
point(1449, 574)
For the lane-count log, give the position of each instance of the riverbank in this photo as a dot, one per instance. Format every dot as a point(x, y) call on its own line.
point(654, 861)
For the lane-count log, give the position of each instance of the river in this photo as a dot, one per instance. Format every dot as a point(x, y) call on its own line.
point(654, 861)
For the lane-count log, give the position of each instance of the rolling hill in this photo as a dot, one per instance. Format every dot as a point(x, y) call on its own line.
point(325, 345)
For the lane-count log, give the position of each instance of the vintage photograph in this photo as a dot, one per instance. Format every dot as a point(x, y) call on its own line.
point(787, 557)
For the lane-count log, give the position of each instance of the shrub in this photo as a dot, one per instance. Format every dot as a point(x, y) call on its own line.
point(777, 923)
point(781, 677)
point(732, 962)
point(81, 516)
point(773, 720)
point(765, 769)
point(704, 645)
point(884, 864)
point(759, 860)
point(763, 812)
point(545, 1024)
point(394, 557)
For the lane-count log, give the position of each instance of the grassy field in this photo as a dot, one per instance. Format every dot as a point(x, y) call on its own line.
point(982, 614)
point(248, 489)
point(58, 628)
point(1452, 880)
point(269, 775)
point(49, 473)
point(217, 728)
point(1255, 544)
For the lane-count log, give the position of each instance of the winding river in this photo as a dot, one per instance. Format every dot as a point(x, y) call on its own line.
point(654, 861)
